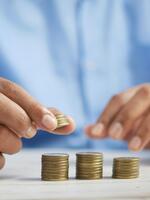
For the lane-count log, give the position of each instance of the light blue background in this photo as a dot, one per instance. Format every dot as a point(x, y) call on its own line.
point(74, 55)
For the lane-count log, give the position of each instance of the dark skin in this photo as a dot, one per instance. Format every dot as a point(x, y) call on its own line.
point(21, 115)
point(126, 117)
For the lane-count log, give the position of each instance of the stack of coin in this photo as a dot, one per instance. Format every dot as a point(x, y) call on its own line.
point(89, 165)
point(61, 120)
point(55, 167)
point(126, 167)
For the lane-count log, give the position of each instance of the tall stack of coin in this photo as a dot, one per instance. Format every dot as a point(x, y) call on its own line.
point(55, 167)
point(61, 120)
point(126, 167)
point(89, 165)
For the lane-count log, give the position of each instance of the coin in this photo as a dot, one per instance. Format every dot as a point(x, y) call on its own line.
point(126, 167)
point(61, 120)
point(89, 165)
point(55, 167)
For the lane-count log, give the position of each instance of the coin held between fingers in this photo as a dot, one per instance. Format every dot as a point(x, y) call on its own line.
point(61, 120)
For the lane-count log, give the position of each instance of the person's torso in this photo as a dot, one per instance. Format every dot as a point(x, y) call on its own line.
point(75, 54)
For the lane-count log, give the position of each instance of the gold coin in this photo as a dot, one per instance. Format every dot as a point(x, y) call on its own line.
point(54, 179)
point(55, 155)
point(61, 120)
point(89, 165)
point(88, 177)
point(89, 155)
point(62, 125)
point(126, 159)
point(120, 177)
point(126, 167)
point(55, 166)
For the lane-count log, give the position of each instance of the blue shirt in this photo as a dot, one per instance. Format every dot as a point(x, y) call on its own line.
point(74, 55)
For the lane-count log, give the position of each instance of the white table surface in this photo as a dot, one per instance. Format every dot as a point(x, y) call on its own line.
point(20, 180)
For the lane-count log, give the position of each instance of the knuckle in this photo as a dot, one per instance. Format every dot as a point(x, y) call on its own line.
point(145, 91)
point(17, 146)
point(118, 98)
point(7, 85)
point(23, 123)
point(145, 130)
point(2, 80)
point(114, 98)
point(9, 140)
point(36, 111)
point(126, 117)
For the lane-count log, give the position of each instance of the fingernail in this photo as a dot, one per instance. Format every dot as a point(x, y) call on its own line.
point(30, 132)
point(116, 130)
point(49, 122)
point(98, 129)
point(135, 143)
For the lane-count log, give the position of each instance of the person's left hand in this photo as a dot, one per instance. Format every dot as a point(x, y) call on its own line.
point(126, 117)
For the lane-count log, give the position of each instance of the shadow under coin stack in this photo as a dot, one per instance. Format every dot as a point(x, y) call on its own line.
point(126, 167)
point(61, 120)
point(55, 167)
point(89, 165)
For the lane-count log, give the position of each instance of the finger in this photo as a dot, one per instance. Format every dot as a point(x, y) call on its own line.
point(114, 106)
point(134, 128)
point(2, 161)
point(142, 136)
point(15, 118)
point(66, 129)
point(88, 131)
point(148, 146)
point(126, 118)
point(9, 142)
point(38, 113)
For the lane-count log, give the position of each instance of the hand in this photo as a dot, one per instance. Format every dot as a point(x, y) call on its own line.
point(21, 116)
point(126, 117)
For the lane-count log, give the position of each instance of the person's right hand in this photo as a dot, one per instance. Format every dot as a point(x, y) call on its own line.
point(21, 116)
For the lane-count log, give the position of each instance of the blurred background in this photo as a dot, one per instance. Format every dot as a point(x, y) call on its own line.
point(74, 55)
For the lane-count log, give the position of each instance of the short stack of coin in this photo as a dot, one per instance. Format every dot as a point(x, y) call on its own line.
point(55, 167)
point(126, 167)
point(89, 165)
point(61, 120)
